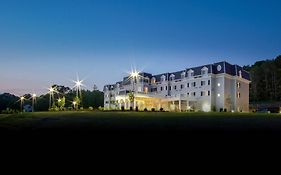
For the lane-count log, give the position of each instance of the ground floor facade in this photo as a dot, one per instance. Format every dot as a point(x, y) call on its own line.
point(147, 102)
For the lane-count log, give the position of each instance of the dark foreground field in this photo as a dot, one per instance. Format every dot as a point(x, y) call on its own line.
point(130, 122)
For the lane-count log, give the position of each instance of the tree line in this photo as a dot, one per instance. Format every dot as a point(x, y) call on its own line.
point(265, 80)
point(91, 99)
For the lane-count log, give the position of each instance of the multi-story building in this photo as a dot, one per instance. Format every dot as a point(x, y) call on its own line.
point(212, 87)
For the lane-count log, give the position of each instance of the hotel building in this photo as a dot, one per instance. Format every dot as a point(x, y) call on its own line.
point(213, 87)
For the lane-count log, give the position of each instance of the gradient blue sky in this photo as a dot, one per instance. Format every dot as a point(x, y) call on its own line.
point(49, 41)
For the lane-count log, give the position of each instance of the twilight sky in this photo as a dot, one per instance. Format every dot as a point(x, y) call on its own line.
point(49, 41)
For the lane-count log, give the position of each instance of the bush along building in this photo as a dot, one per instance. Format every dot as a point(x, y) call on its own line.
point(214, 87)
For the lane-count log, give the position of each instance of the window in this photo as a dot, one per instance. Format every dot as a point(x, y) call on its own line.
point(194, 84)
point(161, 88)
point(188, 94)
point(203, 83)
point(182, 86)
point(238, 85)
point(204, 71)
point(194, 94)
point(240, 73)
point(172, 77)
point(153, 80)
point(202, 93)
point(183, 75)
point(188, 85)
point(238, 95)
point(163, 78)
point(170, 87)
point(209, 82)
point(146, 90)
point(175, 87)
point(209, 93)
point(166, 88)
point(190, 73)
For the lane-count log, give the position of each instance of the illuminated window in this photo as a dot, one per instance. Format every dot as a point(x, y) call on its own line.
point(146, 90)
point(238, 85)
point(238, 94)
point(153, 80)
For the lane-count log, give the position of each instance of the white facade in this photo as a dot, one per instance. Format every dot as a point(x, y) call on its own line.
point(213, 87)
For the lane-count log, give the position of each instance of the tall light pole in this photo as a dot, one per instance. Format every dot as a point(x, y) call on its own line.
point(33, 101)
point(21, 103)
point(52, 97)
point(78, 86)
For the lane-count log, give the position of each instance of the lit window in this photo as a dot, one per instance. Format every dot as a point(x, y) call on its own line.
point(238, 94)
point(153, 80)
point(238, 85)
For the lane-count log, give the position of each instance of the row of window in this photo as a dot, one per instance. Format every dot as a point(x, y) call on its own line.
point(193, 84)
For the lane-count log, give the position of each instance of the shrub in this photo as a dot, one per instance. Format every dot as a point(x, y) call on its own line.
point(122, 108)
point(145, 109)
point(161, 109)
point(101, 108)
point(137, 108)
point(91, 108)
point(131, 108)
point(153, 109)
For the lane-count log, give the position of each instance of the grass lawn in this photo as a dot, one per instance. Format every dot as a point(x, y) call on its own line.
point(133, 121)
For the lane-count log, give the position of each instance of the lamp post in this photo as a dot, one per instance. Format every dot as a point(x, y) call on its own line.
point(33, 101)
point(51, 93)
point(21, 103)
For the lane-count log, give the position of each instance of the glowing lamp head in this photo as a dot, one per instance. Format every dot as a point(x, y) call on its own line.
point(59, 100)
point(78, 83)
point(21, 98)
point(74, 103)
point(51, 89)
point(33, 95)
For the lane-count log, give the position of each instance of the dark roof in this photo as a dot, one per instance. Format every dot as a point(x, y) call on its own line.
point(212, 68)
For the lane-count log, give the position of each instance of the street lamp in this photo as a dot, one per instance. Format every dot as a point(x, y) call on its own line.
point(78, 86)
point(33, 101)
point(21, 103)
point(51, 92)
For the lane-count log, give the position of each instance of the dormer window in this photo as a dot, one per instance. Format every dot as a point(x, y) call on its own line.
point(153, 80)
point(172, 77)
point(163, 78)
point(190, 73)
point(204, 71)
point(182, 75)
point(118, 85)
point(240, 73)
